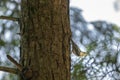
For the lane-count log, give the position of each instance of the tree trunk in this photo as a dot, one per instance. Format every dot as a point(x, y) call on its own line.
point(45, 39)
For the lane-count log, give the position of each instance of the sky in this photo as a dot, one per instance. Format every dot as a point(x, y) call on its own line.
point(98, 10)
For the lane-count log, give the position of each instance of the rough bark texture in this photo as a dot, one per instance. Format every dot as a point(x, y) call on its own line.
point(45, 38)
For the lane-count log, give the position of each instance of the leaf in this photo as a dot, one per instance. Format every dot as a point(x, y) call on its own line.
point(79, 72)
point(116, 28)
point(91, 46)
point(2, 43)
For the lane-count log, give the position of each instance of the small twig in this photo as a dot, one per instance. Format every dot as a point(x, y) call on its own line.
point(15, 63)
point(9, 70)
point(9, 18)
point(26, 72)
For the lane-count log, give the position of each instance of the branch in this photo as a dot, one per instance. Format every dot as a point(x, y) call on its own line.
point(15, 63)
point(9, 70)
point(9, 18)
point(26, 73)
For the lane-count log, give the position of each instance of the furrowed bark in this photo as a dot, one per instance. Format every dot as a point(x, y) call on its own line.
point(45, 39)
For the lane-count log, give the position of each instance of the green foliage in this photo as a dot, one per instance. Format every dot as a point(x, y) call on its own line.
point(9, 41)
point(2, 43)
point(102, 43)
point(110, 59)
point(15, 42)
point(78, 73)
point(116, 28)
point(91, 46)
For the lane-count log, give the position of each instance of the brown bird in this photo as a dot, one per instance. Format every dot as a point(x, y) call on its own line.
point(76, 50)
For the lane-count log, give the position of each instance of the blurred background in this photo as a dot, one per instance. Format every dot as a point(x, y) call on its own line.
point(95, 26)
point(9, 40)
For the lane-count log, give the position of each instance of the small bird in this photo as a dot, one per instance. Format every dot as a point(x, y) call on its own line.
point(76, 50)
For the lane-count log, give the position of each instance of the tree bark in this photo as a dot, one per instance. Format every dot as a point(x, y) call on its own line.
point(45, 39)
